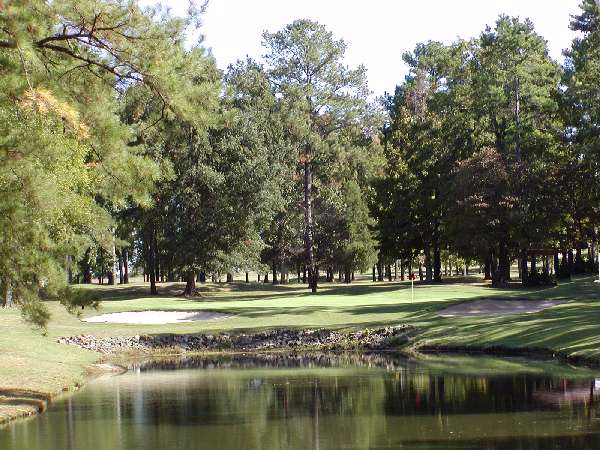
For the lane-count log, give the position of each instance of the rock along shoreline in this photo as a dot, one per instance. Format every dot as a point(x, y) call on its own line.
point(387, 338)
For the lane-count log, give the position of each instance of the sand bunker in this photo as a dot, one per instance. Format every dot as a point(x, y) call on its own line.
point(491, 307)
point(156, 317)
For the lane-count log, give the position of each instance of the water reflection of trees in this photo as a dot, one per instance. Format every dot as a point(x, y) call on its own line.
point(317, 401)
point(364, 403)
point(385, 360)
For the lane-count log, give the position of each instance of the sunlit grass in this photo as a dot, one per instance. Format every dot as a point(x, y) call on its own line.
point(32, 361)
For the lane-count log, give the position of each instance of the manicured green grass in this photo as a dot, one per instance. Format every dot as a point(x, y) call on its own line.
point(35, 362)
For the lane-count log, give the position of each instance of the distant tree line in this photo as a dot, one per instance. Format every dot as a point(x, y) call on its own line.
point(123, 147)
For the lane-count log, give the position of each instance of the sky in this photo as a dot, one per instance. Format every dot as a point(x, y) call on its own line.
point(377, 32)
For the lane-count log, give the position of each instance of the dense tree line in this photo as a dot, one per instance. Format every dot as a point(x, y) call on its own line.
point(122, 147)
point(492, 154)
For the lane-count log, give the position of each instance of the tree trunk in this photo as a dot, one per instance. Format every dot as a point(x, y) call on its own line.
point(101, 276)
point(5, 290)
point(266, 279)
point(347, 276)
point(275, 273)
point(125, 266)
point(152, 262)
point(190, 284)
point(570, 261)
point(504, 262)
point(374, 274)
point(389, 272)
point(563, 270)
point(579, 266)
point(524, 268)
point(556, 265)
point(488, 267)
point(247, 278)
point(437, 259)
point(112, 276)
point(229, 277)
point(402, 270)
point(69, 267)
point(120, 267)
point(395, 270)
point(308, 217)
point(156, 266)
point(494, 270)
point(517, 123)
point(285, 274)
point(428, 265)
point(87, 269)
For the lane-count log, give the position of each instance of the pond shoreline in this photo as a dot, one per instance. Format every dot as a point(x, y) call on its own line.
point(385, 338)
point(117, 352)
point(499, 350)
point(125, 347)
point(27, 403)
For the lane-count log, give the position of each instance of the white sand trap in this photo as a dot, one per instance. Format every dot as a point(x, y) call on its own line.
point(155, 317)
point(491, 307)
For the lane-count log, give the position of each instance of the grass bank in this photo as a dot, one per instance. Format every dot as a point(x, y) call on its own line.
point(34, 368)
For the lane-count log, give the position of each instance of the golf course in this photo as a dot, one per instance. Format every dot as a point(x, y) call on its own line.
point(35, 366)
point(268, 225)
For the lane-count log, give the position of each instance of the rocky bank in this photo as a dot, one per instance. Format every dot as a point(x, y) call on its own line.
point(369, 339)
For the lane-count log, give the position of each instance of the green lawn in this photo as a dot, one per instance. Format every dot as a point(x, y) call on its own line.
point(34, 362)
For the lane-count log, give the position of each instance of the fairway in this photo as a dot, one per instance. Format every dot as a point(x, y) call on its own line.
point(37, 363)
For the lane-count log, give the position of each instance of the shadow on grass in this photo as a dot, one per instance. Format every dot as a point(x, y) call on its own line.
point(573, 326)
point(240, 291)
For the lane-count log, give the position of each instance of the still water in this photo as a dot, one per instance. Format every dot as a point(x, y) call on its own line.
point(323, 402)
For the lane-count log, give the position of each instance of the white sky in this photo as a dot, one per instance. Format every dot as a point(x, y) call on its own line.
point(377, 31)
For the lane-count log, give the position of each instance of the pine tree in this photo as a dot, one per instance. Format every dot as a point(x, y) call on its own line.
point(322, 96)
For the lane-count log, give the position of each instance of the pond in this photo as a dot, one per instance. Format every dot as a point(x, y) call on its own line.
point(323, 401)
